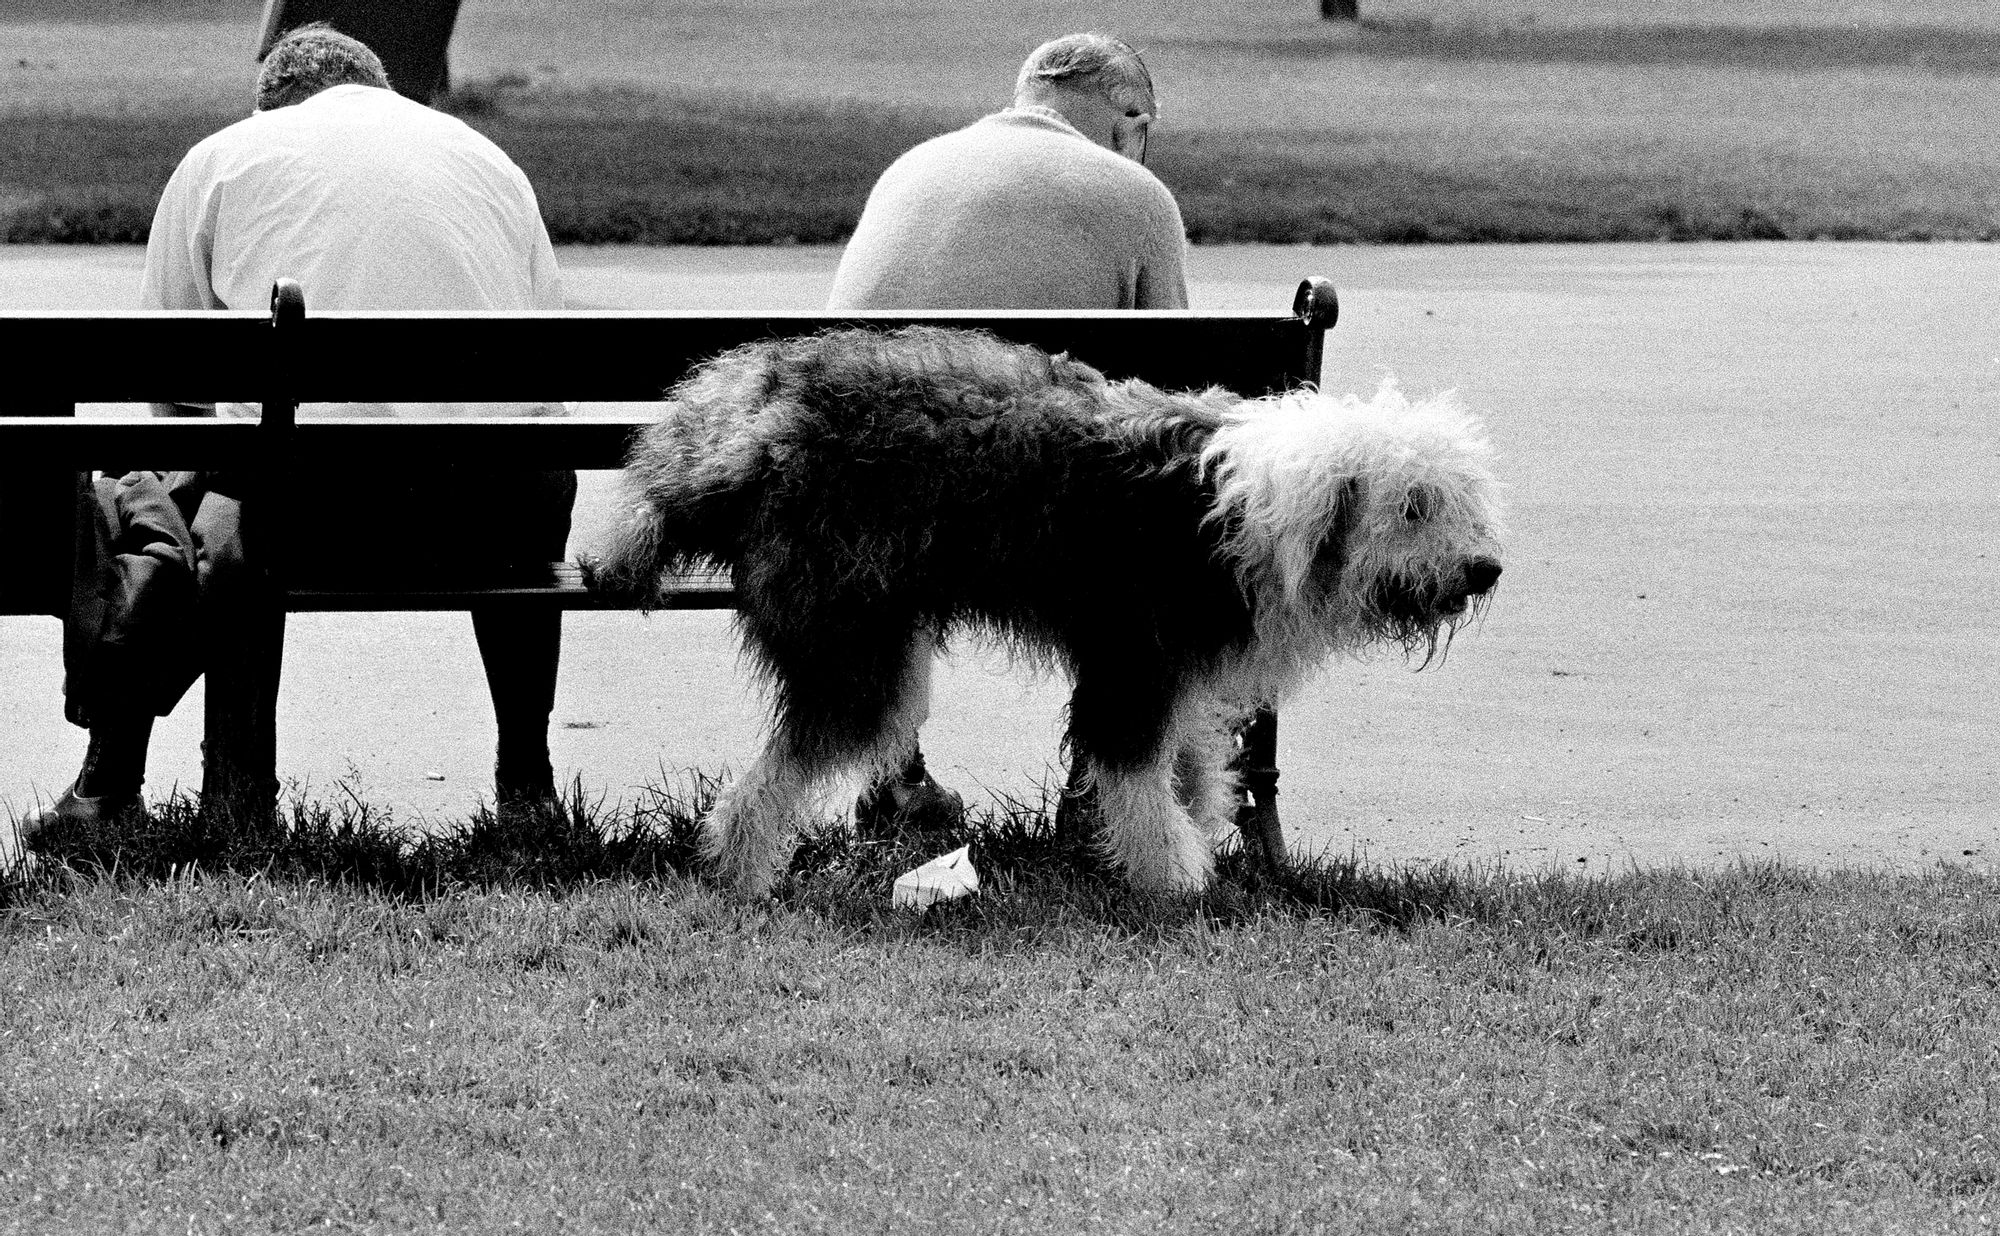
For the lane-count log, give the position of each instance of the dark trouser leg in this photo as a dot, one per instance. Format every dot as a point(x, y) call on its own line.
point(1077, 816)
point(520, 646)
point(522, 651)
point(114, 765)
point(106, 791)
point(129, 628)
point(910, 797)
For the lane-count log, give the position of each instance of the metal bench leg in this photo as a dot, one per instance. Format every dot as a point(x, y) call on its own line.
point(1257, 767)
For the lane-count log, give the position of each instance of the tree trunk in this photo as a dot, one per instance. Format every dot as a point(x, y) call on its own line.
point(413, 37)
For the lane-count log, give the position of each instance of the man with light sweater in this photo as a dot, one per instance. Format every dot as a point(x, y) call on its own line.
point(1044, 205)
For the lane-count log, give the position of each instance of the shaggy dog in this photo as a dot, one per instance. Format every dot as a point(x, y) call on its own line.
point(1183, 557)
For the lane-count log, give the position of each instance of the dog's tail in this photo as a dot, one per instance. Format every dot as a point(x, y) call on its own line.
point(669, 525)
point(634, 559)
point(691, 480)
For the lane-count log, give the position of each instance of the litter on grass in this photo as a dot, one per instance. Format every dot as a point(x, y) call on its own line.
point(944, 878)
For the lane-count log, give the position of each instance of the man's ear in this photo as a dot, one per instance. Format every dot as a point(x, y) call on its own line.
point(1129, 135)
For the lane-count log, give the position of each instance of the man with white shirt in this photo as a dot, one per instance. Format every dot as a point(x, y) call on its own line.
point(370, 201)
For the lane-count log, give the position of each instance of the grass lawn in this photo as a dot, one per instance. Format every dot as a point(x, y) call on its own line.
point(730, 121)
point(564, 1032)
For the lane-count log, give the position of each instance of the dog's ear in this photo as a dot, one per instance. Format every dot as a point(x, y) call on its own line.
point(1347, 505)
point(1331, 556)
point(1419, 504)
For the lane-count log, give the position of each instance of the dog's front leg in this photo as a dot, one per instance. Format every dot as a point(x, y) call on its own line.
point(1205, 781)
point(1149, 833)
point(1127, 718)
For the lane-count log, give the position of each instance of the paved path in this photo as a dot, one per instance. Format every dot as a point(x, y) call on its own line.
point(1748, 609)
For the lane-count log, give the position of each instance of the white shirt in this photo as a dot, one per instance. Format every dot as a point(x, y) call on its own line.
point(370, 201)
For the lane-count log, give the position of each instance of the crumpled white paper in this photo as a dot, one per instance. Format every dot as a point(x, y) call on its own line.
point(944, 878)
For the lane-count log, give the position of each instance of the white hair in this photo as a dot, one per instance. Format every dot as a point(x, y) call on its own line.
point(1088, 63)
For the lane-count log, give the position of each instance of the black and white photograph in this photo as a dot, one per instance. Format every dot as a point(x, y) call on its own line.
point(725, 616)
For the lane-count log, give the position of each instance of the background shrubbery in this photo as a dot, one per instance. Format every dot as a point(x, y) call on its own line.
point(738, 123)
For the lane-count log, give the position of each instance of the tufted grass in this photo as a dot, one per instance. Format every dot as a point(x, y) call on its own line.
point(560, 1029)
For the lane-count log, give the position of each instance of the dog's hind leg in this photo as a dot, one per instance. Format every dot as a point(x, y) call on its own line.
point(1148, 832)
point(851, 708)
point(744, 834)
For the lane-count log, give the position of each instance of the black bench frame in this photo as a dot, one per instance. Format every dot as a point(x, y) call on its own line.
point(285, 358)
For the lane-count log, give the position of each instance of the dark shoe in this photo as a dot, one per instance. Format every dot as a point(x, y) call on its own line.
point(916, 806)
point(73, 811)
point(525, 802)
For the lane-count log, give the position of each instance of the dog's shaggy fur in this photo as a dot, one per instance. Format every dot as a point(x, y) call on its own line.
point(1184, 557)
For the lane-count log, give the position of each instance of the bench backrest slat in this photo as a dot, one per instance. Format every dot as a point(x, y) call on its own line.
point(340, 357)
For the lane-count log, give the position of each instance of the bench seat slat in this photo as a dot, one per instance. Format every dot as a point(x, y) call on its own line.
point(560, 583)
point(196, 443)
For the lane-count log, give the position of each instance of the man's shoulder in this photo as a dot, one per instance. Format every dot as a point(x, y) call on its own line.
point(354, 106)
point(943, 148)
point(377, 105)
point(993, 134)
point(334, 108)
point(1006, 140)
point(243, 133)
point(380, 119)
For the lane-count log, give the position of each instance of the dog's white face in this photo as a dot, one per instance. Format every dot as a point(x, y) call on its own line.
point(1418, 572)
point(1373, 520)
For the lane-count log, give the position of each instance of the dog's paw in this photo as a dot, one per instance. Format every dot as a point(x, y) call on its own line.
point(1173, 879)
point(735, 865)
point(1183, 868)
point(740, 882)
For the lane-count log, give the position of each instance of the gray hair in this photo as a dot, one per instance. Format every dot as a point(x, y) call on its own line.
point(313, 58)
point(1088, 63)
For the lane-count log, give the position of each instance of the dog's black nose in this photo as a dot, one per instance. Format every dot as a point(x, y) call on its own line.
point(1480, 576)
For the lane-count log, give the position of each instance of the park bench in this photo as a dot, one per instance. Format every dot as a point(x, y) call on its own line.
point(286, 357)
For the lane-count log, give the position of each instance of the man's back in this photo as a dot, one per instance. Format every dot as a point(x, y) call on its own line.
point(370, 200)
point(1016, 211)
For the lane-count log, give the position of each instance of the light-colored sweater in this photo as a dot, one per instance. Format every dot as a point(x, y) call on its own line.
point(1015, 211)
